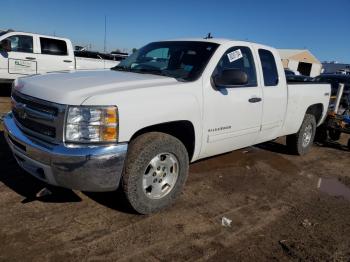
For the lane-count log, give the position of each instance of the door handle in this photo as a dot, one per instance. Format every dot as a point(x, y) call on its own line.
point(67, 61)
point(30, 58)
point(254, 100)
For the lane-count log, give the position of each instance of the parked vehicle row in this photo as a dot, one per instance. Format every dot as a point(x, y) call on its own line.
point(27, 54)
point(140, 124)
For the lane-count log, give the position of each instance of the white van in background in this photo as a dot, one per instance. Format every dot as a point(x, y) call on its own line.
point(28, 54)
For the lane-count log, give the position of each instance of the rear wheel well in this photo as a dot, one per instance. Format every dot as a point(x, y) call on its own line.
point(316, 110)
point(182, 130)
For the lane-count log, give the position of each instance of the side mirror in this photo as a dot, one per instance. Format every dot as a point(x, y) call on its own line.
point(5, 45)
point(230, 78)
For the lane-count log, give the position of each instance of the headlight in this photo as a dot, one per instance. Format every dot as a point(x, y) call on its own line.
point(92, 124)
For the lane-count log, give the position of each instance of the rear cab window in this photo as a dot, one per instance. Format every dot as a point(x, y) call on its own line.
point(51, 46)
point(269, 67)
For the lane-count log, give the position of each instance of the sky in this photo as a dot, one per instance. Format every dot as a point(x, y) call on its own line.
point(321, 26)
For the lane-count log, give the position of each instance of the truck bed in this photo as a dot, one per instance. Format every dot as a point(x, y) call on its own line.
point(300, 96)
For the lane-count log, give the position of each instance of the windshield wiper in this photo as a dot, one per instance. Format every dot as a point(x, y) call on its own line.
point(152, 71)
point(145, 70)
point(121, 68)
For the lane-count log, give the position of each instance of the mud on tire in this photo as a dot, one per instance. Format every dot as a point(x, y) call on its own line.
point(143, 161)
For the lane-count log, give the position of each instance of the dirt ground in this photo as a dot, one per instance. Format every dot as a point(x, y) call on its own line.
point(277, 212)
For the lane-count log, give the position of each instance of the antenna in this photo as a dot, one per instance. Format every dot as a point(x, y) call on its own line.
point(209, 36)
point(105, 40)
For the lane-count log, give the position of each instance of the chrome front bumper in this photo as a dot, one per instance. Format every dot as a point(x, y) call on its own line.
point(85, 168)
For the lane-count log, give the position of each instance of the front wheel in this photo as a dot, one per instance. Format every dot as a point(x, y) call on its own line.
point(301, 142)
point(155, 172)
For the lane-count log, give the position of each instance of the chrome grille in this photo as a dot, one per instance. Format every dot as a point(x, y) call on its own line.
point(39, 118)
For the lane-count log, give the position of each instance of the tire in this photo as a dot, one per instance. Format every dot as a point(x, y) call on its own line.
point(334, 134)
point(146, 154)
point(349, 144)
point(301, 142)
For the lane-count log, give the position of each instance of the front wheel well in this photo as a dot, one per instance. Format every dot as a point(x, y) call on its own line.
point(182, 130)
point(316, 110)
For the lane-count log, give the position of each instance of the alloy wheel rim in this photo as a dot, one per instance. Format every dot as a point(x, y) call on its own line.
point(160, 175)
point(307, 135)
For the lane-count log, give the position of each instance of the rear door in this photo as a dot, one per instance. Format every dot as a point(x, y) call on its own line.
point(21, 60)
point(274, 90)
point(54, 55)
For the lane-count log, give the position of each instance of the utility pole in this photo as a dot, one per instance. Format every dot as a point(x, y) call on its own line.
point(104, 49)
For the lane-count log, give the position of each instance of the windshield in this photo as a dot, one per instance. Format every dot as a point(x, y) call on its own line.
point(184, 60)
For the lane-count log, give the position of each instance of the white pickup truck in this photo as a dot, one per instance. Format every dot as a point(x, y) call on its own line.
point(140, 124)
point(28, 54)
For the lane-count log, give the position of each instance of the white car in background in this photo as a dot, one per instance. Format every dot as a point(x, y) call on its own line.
point(30, 54)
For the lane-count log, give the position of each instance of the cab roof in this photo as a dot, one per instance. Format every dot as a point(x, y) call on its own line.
point(30, 33)
point(220, 41)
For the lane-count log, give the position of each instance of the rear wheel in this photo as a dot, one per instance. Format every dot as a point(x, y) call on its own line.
point(155, 172)
point(301, 142)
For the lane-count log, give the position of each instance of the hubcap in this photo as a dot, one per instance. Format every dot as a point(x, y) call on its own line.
point(307, 135)
point(160, 175)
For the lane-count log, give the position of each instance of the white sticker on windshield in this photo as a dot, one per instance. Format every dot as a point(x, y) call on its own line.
point(235, 55)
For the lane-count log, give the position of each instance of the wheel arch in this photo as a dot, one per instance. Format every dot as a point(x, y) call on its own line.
point(181, 129)
point(317, 111)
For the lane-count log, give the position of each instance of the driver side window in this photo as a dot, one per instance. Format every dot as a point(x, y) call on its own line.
point(241, 58)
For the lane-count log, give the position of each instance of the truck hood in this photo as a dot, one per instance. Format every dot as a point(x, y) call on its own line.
point(73, 88)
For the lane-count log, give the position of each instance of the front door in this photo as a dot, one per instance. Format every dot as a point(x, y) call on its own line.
point(232, 116)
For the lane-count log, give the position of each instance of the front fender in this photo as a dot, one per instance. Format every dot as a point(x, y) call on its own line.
point(139, 109)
